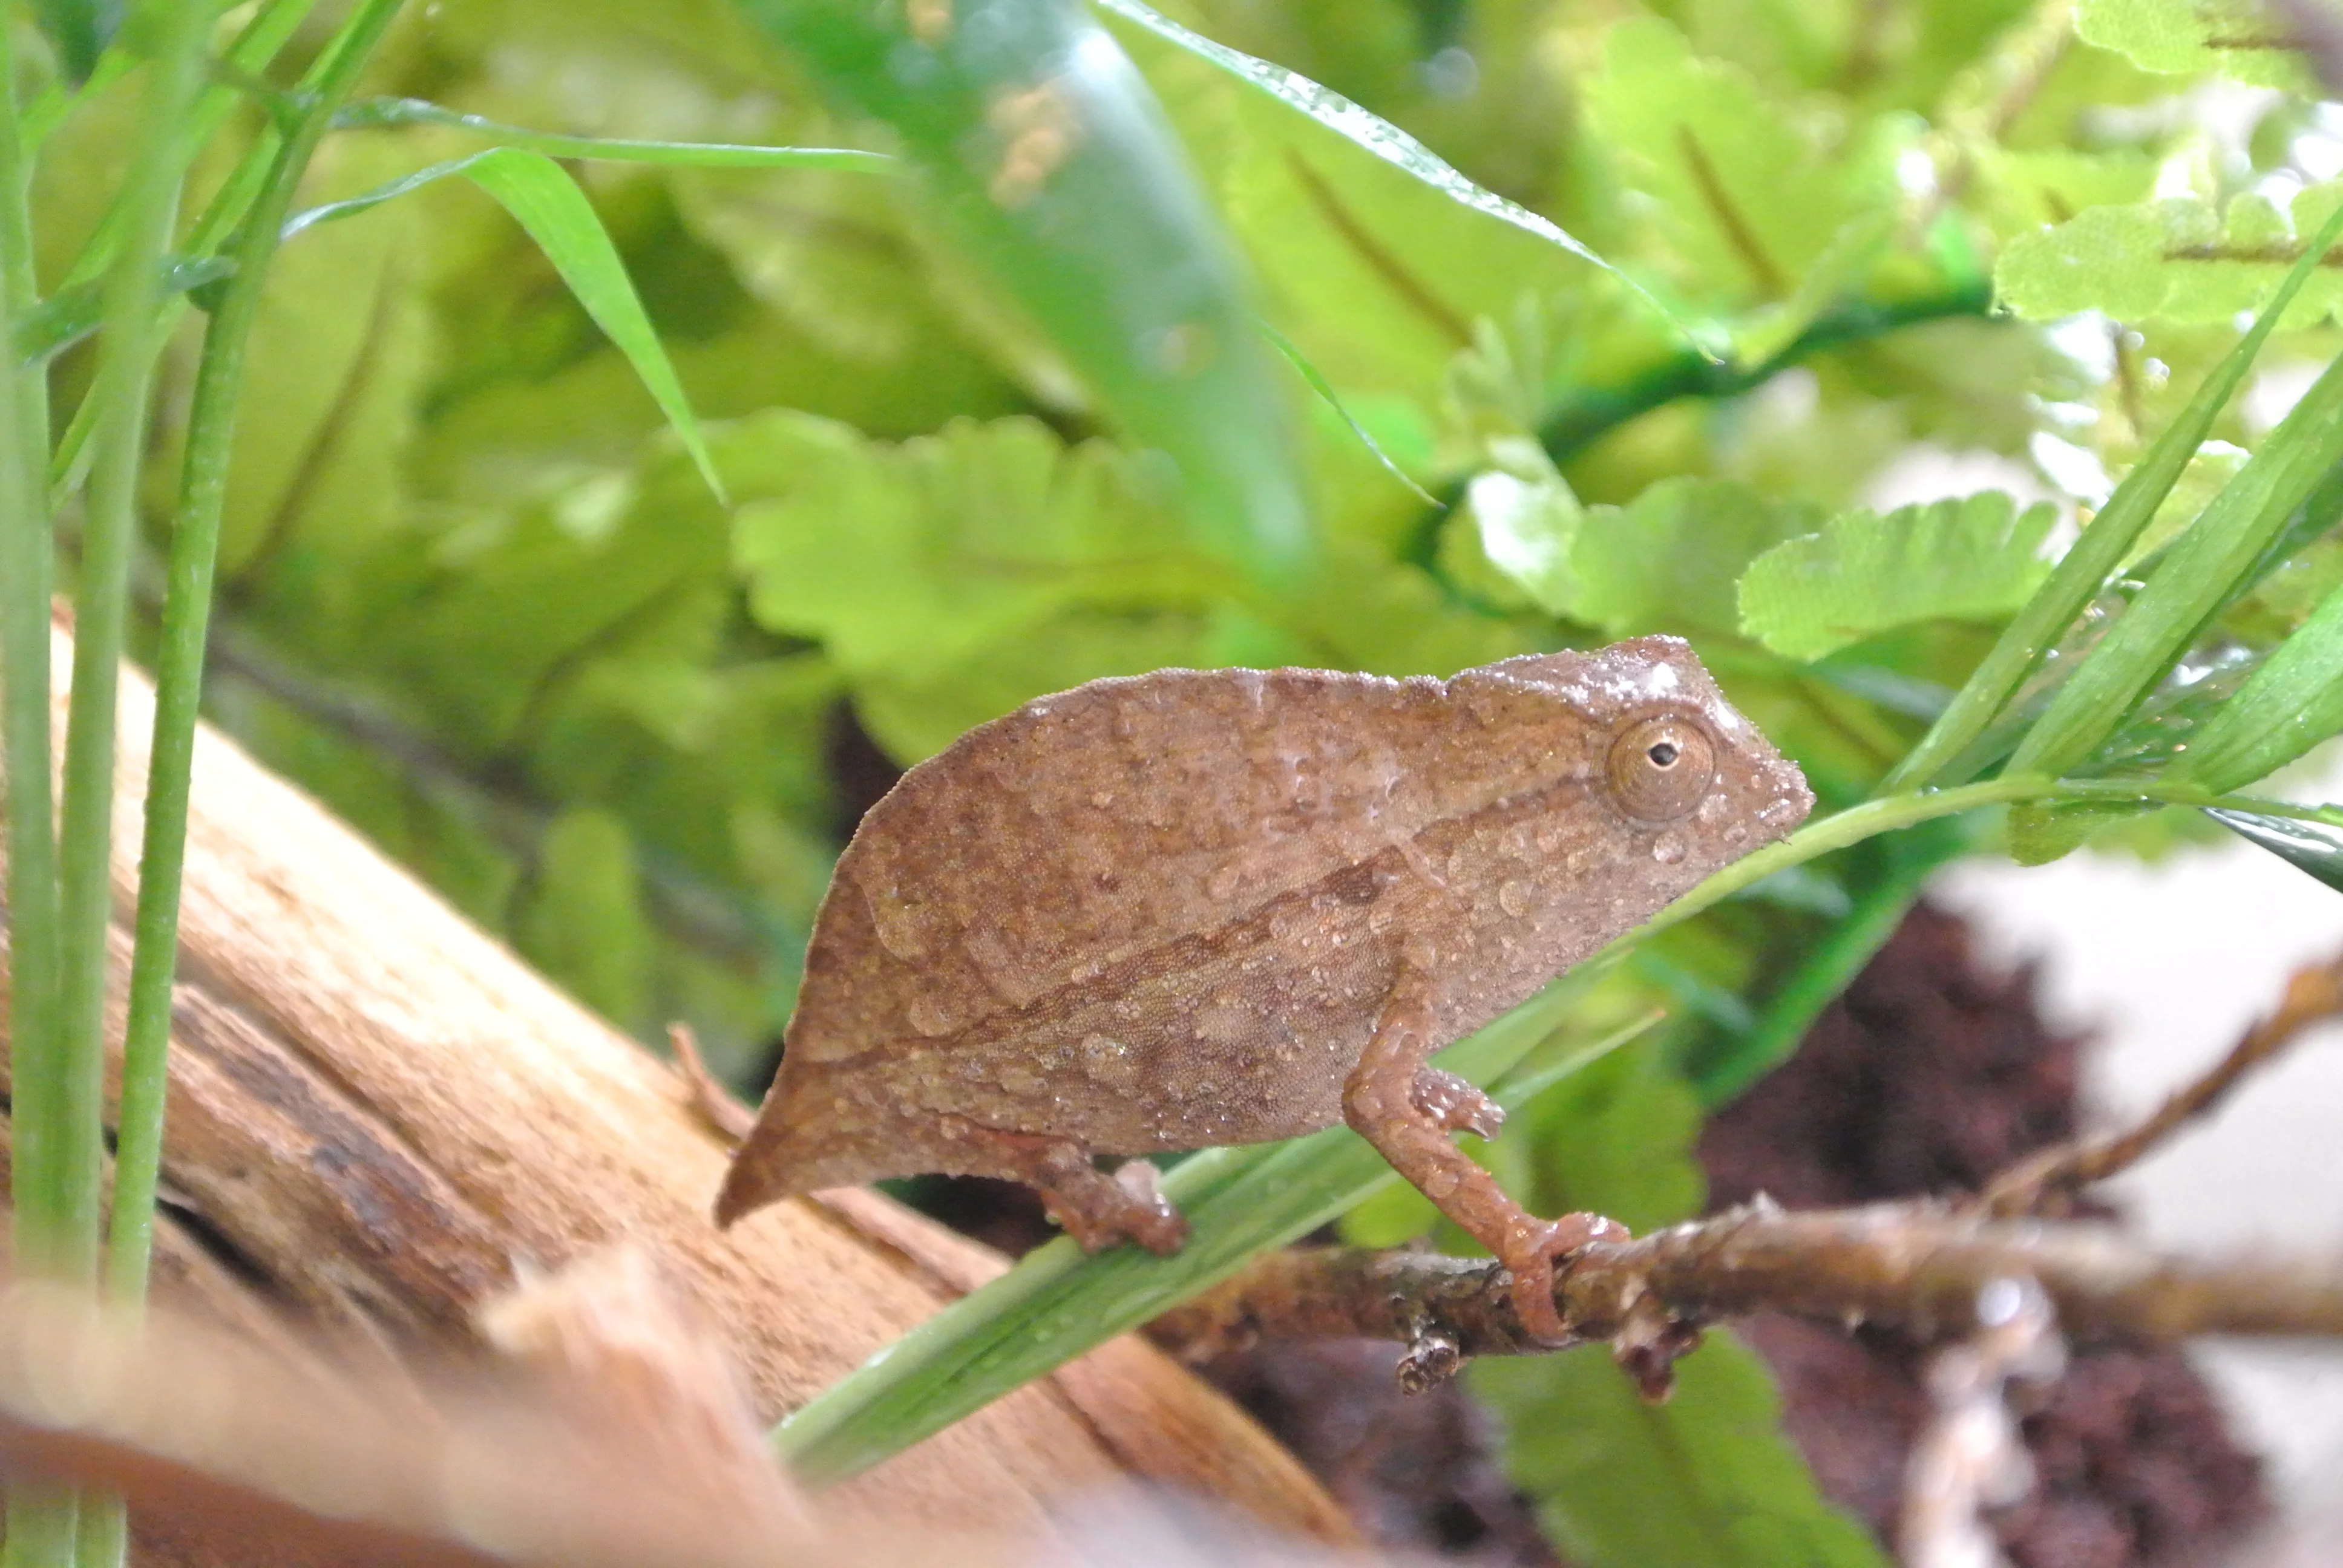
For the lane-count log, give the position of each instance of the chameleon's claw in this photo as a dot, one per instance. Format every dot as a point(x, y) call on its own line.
point(1456, 1104)
point(1095, 1209)
point(1150, 1220)
point(1529, 1254)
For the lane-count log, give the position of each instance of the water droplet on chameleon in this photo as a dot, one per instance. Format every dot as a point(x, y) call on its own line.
point(1668, 848)
point(1514, 898)
point(897, 925)
point(929, 1017)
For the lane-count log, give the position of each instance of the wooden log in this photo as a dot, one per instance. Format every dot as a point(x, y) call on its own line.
point(380, 1115)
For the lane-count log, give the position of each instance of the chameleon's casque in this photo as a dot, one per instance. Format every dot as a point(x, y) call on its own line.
point(1203, 907)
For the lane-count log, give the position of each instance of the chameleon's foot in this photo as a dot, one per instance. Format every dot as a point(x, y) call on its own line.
point(1127, 1206)
point(1150, 1220)
point(1095, 1209)
point(1456, 1104)
point(1529, 1254)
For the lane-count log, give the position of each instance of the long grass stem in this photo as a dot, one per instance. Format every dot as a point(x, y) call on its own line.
point(58, 1083)
point(40, 1520)
point(179, 658)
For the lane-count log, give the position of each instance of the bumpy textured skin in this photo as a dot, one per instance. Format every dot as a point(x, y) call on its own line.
point(1171, 911)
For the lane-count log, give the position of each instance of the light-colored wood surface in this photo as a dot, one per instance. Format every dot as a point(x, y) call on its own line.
point(380, 1115)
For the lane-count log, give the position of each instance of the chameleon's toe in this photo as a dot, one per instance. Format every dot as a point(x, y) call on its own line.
point(1149, 1219)
point(1530, 1255)
point(1456, 1104)
point(1099, 1211)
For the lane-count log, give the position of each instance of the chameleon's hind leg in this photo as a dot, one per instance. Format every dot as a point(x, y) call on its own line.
point(1096, 1209)
point(1407, 1111)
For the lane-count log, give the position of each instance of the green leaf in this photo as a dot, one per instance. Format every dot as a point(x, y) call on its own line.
point(1367, 130)
point(961, 540)
point(1341, 236)
point(2202, 570)
point(2239, 38)
point(2085, 568)
point(546, 202)
point(1974, 559)
point(1056, 1302)
point(990, 562)
point(1617, 1140)
point(375, 113)
point(2030, 189)
point(2041, 831)
point(1705, 1481)
point(2292, 703)
point(1754, 196)
point(1527, 521)
point(1051, 168)
point(2176, 260)
point(2313, 849)
point(1672, 558)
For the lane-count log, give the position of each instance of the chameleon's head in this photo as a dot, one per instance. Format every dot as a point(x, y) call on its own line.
point(1680, 771)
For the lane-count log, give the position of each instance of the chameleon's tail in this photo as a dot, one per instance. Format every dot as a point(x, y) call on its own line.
point(800, 1143)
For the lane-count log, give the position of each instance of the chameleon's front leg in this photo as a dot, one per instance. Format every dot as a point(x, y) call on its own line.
point(1095, 1209)
point(1406, 1109)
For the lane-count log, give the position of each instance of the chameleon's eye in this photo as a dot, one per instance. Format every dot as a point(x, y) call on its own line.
point(1660, 767)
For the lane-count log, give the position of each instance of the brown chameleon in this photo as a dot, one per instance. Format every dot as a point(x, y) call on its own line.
point(1206, 907)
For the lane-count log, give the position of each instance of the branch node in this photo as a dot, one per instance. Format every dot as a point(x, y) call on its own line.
point(1433, 1357)
point(1650, 1342)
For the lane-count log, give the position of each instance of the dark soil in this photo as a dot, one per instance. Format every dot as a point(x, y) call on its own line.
point(1929, 1076)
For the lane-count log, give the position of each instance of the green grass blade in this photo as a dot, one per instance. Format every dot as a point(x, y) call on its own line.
point(1378, 136)
point(547, 203)
point(1057, 1302)
point(380, 112)
point(79, 30)
point(2195, 577)
point(1051, 168)
point(1332, 399)
point(2292, 703)
point(70, 315)
point(2313, 849)
point(2087, 565)
point(254, 47)
point(1823, 968)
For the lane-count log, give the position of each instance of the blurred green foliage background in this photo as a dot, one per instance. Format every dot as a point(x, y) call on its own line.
point(475, 597)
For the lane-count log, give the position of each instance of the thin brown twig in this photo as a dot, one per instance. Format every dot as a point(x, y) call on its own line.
point(710, 1101)
point(1917, 1265)
point(2314, 995)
